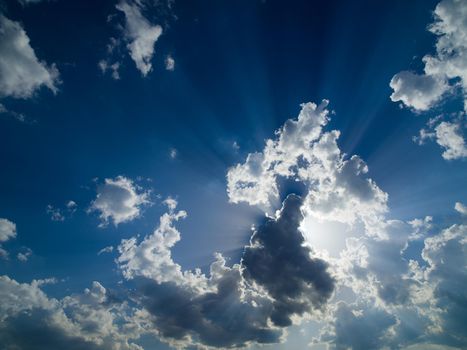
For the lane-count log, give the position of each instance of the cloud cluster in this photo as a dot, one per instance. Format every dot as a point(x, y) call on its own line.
point(277, 280)
point(380, 291)
point(391, 301)
point(21, 72)
point(445, 73)
point(119, 200)
point(337, 186)
point(31, 320)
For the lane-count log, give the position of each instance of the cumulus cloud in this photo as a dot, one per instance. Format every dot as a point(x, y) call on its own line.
point(460, 208)
point(119, 200)
point(277, 279)
point(139, 34)
point(31, 320)
point(445, 73)
point(21, 72)
point(420, 92)
point(7, 230)
point(337, 186)
point(278, 260)
point(382, 299)
point(449, 137)
point(353, 329)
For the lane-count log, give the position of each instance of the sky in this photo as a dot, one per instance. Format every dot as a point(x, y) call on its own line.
point(233, 174)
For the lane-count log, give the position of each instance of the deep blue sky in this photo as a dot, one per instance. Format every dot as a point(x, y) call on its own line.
point(242, 69)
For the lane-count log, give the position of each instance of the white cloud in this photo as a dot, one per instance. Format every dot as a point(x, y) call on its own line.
point(420, 92)
point(449, 137)
point(152, 257)
point(397, 301)
point(173, 153)
point(57, 214)
point(140, 35)
point(119, 200)
point(112, 67)
point(169, 63)
point(24, 255)
point(108, 249)
point(445, 73)
point(337, 186)
point(461, 208)
point(21, 72)
point(7, 230)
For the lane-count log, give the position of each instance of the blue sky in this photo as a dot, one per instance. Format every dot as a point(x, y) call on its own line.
point(115, 115)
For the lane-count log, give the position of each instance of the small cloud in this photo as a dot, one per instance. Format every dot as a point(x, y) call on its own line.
point(108, 249)
point(55, 213)
point(173, 153)
point(71, 206)
point(7, 230)
point(140, 35)
point(4, 254)
point(461, 208)
point(24, 256)
point(169, 63)
point(106, 66)
point(119, 200)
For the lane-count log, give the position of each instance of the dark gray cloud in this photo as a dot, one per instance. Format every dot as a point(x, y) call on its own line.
point(278, 260)
point(218, 319)
point(34, 331)
point(247, 303)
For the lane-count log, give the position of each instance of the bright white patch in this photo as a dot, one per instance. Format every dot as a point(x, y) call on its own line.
point(140, 34)
point(420, 92)
point(152, 257)
point(119, 200)
point(461, 208)
point(21, 72)
point(169, 63)
point(338, 188)
point(7, 230)
point(108, 249)
point(448, 136)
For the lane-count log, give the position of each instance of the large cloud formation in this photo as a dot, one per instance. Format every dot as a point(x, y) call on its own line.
point(445, 73)
point(21, 72)
point(277, 279)
point(394, 284)
point(390, 300)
